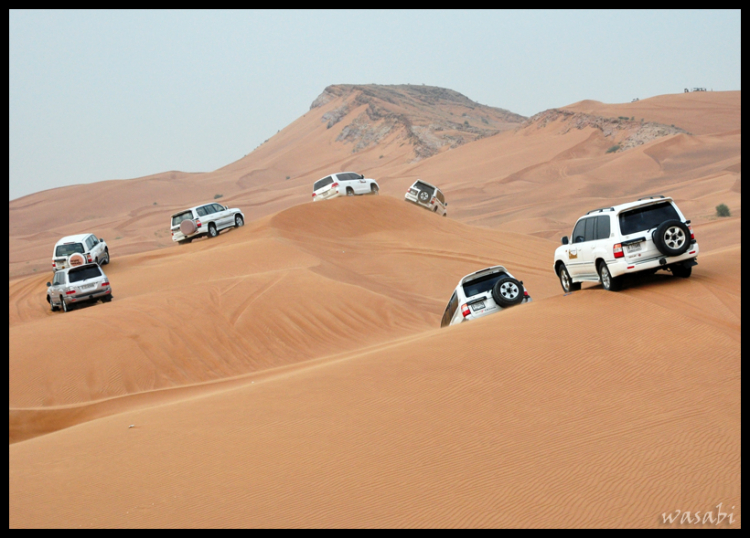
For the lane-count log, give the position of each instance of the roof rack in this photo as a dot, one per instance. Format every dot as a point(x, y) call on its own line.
point(600, 210)
point(651, 197)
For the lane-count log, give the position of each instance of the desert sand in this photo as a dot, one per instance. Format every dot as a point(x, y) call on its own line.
point(292, 372)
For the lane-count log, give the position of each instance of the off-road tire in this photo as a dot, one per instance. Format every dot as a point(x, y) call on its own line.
point(672, 237)
point(507, 292)
point(238, 221)
point(212, 231)
point(374, 189)
point(349, 191)
point(682, 271)
point(52, 307)
point(107, 298)
point(566, 282)
point(63, 305)
point(609, 282)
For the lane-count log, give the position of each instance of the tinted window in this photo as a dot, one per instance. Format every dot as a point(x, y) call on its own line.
point(209, 209)
point(67, 250)
point(83, 273)
point(59, 279)
point(177, 219)
point(322, 183)
point(440, 197)
point(348, 176)
point(201, 211)
point(578, 231)
point(218, 207)
point(90, 242)
point(589, 233)
point(646, 218)
point(450, 310)
point(602, 227)
point(483, 284)
point(424, 188)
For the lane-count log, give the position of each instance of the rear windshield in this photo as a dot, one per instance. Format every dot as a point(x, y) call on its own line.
point(84, 273)
point(322, 183)
point(67, 250)
point(424, 187)
point(646, 218)
point(177, 219)
point(482, 284)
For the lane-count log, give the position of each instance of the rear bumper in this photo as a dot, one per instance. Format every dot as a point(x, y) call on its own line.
point(91, 296)
point(413, 199)
point(623, 267)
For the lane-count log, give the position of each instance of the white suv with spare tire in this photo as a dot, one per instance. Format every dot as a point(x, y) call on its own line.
point(206, 219)
point(611, 242)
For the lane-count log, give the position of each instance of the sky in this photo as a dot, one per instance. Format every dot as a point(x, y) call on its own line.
point(106, 94)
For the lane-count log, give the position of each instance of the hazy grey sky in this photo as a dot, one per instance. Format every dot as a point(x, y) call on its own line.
point(96, 95)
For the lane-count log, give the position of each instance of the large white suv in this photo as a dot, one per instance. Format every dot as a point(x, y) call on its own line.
point(76, 285)
point(428, 196)
point(343, 184)
point(206, 219)
point(610, 242)
point(483, 292)
point(91, 250)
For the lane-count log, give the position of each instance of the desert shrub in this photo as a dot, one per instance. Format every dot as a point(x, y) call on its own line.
point(466, 122)
point(380, 157)
point(613, 148)
point(217, 196)
point(288, 177)
point(155, 203)
point(722, 211)
point(623, 117)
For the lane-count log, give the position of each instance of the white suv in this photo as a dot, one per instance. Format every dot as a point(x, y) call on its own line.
point(484, 292)
point(206, 219)
point(76, 285)
point(427, 196)
point(343, 184)
point(607, 243)
point(91, 250)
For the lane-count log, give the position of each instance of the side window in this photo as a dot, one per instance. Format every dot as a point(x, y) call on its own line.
point(58, 279)
point(602, 227)
point(590, 232)
point(90, 242)
point(450, 310)
point(218, 207)
point(578, 231)
point(201, 211)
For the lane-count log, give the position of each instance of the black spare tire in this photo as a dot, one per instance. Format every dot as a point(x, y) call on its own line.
point(507, 292)
point(672, 237)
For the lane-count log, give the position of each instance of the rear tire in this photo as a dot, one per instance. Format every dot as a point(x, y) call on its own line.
point(107, 298)
point(566, 282)
point(349, 191)
point(64, 306)
point(609, 282)
point(507, 292)
point(238, 221)
point(52, 307)
point(212, 231)
point(105, 260)
point(682, 271)
point(374, 189)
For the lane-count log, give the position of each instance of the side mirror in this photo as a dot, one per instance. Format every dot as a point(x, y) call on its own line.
point(48, 284)
point(565, 240)
point(101, 239)
point(446, 204)
point(225, 208)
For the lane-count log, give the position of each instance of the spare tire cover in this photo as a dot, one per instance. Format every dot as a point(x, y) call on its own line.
point(672, 238)
point(188, 227)
point(75, 260)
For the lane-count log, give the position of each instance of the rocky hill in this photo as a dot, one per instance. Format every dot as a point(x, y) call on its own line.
point(428, 117)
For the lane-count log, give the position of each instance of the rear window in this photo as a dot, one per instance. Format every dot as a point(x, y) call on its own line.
point(482, 284)
point(322, 183)
point(645, 218)
point(83, 273)
point(177, 219)
point(71, 248)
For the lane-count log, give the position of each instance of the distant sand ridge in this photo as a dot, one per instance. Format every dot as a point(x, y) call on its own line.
point(291, 373)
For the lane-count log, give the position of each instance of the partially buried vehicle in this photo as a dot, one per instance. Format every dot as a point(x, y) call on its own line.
point(204, 220)
point(482, 293)
point(84, 283)
point(428, 196)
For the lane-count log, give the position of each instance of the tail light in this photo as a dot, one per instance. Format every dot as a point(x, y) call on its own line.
point(525, 293)
point(198, 223)
point(335, 185)
point(71, 292)
point(692, 235)
point(617, 250)
point(465, 310)
point(90, 260)
point(314, 195)
point(105, 284)
point(53, 264)
point(172, 234)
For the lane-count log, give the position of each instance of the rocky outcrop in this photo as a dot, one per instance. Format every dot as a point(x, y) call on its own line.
point(427, 117)
point(627, 133)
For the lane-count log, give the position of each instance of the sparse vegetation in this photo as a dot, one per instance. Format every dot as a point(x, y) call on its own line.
point(217, 196)
point(723, 211)
point(288, 177)
point(380, 157)
point(485, 121)
point(623, 118)
point(466, 122)
point(118, 237)
point(613, 148)
point(155, 203)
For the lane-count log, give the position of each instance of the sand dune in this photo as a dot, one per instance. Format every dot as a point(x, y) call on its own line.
point(291, 373)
